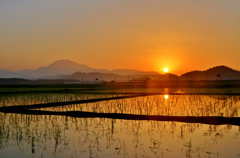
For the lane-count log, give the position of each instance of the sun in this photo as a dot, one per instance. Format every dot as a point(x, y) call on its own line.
point(166, 70)
point(166, 96)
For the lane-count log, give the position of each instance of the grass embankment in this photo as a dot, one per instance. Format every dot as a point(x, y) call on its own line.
point(170, 87)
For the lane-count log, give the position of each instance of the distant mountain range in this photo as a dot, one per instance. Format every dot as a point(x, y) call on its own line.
point(95, 76)
point(66, 69)
point(9, 74)
point(61, 68)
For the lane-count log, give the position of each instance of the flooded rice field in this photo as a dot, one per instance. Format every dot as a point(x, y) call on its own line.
point(104, 125)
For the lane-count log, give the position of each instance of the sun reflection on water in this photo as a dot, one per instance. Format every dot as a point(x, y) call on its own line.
point(166, 96)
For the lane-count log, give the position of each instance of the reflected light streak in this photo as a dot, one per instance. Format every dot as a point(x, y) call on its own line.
point(166, 96)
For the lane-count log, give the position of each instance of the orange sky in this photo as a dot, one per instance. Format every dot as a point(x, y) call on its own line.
point(138, 34)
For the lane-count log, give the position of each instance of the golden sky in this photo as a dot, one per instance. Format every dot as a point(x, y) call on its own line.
point(183, 35)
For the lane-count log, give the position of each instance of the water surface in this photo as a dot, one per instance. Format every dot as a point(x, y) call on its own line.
point(131, 127)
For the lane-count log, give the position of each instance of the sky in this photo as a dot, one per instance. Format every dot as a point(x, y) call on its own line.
point(149, 35)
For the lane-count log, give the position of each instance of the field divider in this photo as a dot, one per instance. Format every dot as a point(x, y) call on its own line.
point(210, 120)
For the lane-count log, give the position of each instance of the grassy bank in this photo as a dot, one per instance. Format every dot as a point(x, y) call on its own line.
point(208, 87)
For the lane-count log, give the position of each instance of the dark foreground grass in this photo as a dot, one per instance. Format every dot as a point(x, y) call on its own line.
point(173, 87)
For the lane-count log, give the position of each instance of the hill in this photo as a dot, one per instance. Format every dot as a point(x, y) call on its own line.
point(96, 76)
point(92, 76)
point(68, 69)
point(9, 74)
point(59, 67)
point(215, 73)
point(133, 72)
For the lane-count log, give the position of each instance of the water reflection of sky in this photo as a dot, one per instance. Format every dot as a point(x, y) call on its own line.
point(61, 136)
point(94, 137)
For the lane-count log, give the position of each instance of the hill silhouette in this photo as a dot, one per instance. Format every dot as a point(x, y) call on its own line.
point(215, 73)
point(95, 76)
point(68, 64)
point(66, 69)
point(9, 74)
point(133, 72)
point(92, 76)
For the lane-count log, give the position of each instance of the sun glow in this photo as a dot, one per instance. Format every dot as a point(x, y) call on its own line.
point(166, 96)
point(165, 70)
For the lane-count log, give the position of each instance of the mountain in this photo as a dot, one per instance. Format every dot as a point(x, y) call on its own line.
point(9, 74)
point(59, 67)
point(6, 74)
point(67, 64)
point(215, 73)
point(155, 77)
point(95, 76)
point(170, 77)
point(132, 72)
point(66, 67)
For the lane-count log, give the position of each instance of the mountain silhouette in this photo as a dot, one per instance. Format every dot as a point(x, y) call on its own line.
point(132, 72)
point(92, 76)
point(66, 67)
point(63, 67)
point(215, 73)
point(68, 64)
point(170, 77)
point(9, 74)
point(95, 76)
